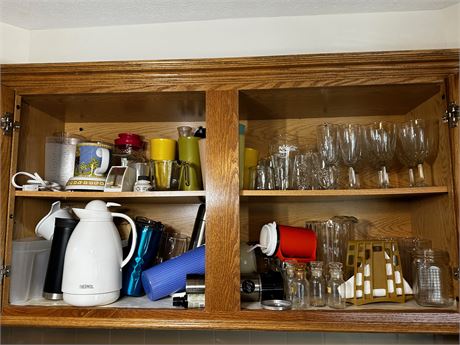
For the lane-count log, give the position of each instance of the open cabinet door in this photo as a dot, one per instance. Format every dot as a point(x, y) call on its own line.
point(453, 96)
point(6, 110)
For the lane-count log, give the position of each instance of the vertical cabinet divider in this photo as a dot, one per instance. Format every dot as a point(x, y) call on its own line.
point(222, 202)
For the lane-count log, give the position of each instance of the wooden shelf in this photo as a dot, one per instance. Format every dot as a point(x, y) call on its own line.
point(370, 318)
point(346, 193)
point(184, 197)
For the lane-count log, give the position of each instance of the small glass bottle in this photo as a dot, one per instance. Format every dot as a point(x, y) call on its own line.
point(317, 285)
point(336, 298)
point(300, 295)
point(143, 184)
point(432, 278)
point(288, 275)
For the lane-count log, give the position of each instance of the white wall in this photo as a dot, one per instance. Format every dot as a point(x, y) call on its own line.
point(14, 44)
point(247, 37)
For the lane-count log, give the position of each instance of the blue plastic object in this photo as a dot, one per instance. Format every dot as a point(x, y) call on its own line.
point(148, 243)
point(170, 276)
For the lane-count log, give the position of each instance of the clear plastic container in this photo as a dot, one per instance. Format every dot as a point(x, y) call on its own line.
point(28, 269)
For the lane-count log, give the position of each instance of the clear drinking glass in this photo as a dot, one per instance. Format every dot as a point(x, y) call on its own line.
point(302, 171)
point(324, 176)
point(317, 285)
point(282, 150)
point(172, 244)
point(413, 149)
point(380, 141)
point(262, 176)
point(349, 136)
point(327, 143)
point(336, 298)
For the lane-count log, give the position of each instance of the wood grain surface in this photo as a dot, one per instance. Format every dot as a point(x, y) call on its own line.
point(6, 105)
point(428, 321)
point(268, 94)
point(222, 202)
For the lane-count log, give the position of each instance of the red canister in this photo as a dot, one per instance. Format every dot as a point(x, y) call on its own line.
point(288, 242)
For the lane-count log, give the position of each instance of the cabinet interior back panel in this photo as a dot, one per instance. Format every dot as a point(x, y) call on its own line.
point(129, 107)
point(378, 218)
point(333, 101)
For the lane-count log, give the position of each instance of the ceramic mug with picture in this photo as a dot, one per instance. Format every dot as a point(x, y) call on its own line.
point(92, 159)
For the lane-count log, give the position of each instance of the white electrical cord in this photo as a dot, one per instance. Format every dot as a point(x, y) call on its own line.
point(36, 183)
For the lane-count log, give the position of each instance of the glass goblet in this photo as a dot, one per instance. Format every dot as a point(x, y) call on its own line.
point(412, 142)
point(380, 139)
point(349, 136)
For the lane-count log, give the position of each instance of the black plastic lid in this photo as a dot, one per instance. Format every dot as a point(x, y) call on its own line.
point(180, 302)
point(143, 178)
point(65, 222)
point(200, 132)
point(144, 220)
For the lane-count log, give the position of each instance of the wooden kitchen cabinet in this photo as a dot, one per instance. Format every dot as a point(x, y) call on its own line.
point(268, 94)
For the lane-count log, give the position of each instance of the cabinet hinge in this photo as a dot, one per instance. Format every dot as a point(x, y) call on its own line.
point(4, 272)
point(7, 124)
point(451, 116)
point(456, 273)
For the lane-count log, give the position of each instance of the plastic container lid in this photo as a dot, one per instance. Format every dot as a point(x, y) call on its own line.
point(242, 128)
point(129, 139)
point(268, 239)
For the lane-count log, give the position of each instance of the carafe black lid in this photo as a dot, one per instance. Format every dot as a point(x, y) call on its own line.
point(65, 222)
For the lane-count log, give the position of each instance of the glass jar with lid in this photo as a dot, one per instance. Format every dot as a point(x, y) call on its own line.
point(432, 278)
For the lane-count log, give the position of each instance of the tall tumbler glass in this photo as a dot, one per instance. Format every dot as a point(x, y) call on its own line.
point(283, 150)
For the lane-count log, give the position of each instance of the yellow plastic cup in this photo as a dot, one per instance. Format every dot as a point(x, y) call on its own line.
point(251, 157)
point(162, 149)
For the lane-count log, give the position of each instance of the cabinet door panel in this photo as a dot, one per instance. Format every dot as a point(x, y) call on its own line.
point(453, 96)
point(6, 105)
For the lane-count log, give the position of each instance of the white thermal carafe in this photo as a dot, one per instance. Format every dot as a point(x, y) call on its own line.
point(94, 258)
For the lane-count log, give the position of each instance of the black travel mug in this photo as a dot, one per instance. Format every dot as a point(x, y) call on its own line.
point(198, 236)
point(63, 228)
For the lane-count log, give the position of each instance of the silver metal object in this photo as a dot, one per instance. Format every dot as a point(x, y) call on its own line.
point(452, 115)
point(4, 272)
point(7, 124)
point(194, 284)
point(276, 304)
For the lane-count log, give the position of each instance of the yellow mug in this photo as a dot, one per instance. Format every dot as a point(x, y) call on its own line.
point(251, 157)
point(162, 149)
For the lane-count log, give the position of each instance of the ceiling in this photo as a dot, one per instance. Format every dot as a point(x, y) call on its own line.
point(54, 14)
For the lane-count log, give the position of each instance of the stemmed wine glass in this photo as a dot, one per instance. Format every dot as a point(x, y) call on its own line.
point(413, 149)
point(380, 139)
point(350, 144)
point(328, 148)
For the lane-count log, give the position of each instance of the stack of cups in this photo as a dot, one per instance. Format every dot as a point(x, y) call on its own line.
point(165, 169)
